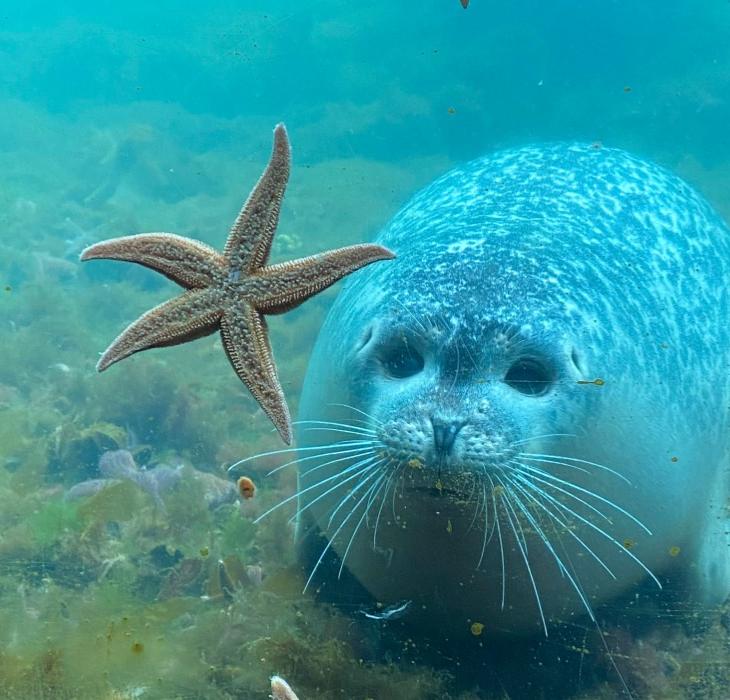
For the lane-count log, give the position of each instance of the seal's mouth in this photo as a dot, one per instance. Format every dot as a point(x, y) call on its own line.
point(434, 483)
point(437, 492)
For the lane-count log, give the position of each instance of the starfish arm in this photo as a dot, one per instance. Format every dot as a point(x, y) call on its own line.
point(246, 341)
point(189, 263)
point(249, 241)
point(286, 285)
point(192, 315)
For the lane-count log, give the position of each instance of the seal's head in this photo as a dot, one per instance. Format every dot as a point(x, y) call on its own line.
point(491, 424)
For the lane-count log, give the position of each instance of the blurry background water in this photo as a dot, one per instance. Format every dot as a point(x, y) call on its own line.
point(117, 118)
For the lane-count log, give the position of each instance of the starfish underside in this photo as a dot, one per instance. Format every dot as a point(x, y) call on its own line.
point(231, 292)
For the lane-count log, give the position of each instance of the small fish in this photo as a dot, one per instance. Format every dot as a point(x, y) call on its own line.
point(465, 3)
point(392, 612)
point(246, 487)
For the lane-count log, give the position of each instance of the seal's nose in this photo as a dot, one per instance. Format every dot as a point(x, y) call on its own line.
point(444, 434)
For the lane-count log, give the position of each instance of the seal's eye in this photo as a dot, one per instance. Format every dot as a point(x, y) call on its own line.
point(402, 360)
point(529, 376)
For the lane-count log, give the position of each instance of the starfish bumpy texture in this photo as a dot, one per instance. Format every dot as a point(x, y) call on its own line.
point(232, 292)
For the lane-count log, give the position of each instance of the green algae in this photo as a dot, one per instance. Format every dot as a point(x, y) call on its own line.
point(109, 596)
point(76, 449)
point(52, 521)
point(118, 502)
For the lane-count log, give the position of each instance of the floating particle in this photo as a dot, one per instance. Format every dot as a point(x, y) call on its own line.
point(451, 110)
point(627, 88)
point(415, 463)
point(137, 647)
point(673, 551)
point(596, 382)
point(449, 526)
point(476, 628)
point(246, 487)
point(675, 459)
point(204, 551)
point(629, 543)
point(597, 145)
point(8, 288)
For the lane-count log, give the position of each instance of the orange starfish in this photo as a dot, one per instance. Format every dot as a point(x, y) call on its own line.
point(232, 292)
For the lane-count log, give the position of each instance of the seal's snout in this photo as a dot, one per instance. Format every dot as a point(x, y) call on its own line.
point(445, 431)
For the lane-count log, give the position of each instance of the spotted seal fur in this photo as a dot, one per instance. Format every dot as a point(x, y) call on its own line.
point(525, 415)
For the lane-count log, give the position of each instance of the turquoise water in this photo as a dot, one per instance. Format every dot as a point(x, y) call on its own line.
point(118, 118)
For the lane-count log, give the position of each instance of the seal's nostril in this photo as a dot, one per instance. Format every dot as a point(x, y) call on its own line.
point(444, 434)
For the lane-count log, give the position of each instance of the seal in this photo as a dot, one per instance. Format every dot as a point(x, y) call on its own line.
point(524, 416)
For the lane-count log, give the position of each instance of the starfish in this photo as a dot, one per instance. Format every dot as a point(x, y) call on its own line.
point(233, 291)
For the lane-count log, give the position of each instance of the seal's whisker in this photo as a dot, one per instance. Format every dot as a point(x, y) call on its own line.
point(565, 525)
point(301, 492)
point(487, 535)
point(523, 455)
point(435, 323)
point(509, 511)
point(508, 504)
point(342, 502)
point(369, 416)
point(374, 487)
point(477, 507)
point(588, 608)
point(627, 552)
point(348, 431)
point(328, 423)
point(551, 480)
point(411, 314)
point(540, 437)
point(339, 528)
point(354, 451)
point(529, 473)
point(470, 356)
point(353, 422)
point(458, 364)
point(499, 536)
point(548, 458)
point(287, 450)
point(561, 566)
point(373, 498)
point(365, 467)
point(400, 481)
point(382, 503)
point(474, 489)
point(533, 522)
